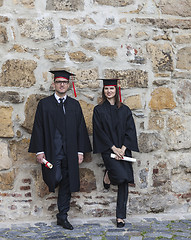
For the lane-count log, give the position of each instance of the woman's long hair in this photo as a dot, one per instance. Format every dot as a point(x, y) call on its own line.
point(117, 101)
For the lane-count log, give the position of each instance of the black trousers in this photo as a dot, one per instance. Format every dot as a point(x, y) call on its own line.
point(122, 197)
point(64, 194)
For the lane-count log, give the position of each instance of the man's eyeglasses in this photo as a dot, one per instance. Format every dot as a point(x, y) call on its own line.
point(61, 82)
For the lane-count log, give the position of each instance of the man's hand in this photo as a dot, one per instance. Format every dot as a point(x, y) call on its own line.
point(40, 157)
point(80, 158)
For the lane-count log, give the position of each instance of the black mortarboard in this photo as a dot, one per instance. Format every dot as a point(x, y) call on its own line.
point(110, 81)
point(62, 74)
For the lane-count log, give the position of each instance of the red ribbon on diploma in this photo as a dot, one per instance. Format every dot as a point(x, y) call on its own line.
point(47, 164)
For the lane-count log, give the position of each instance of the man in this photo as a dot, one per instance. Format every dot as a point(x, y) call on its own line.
point(60, 136)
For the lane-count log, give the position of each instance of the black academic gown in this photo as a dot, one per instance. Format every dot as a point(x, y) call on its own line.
point(114, 126)
point(43, 133)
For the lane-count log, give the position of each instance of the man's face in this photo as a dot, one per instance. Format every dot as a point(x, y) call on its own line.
point(61, 86)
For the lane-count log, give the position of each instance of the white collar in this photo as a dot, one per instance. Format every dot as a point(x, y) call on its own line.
point(57, 97)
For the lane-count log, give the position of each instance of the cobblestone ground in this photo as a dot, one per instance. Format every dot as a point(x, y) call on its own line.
point(145, 228)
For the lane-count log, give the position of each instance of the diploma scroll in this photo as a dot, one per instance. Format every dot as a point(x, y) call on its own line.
point(47, 164)
point(124, 158)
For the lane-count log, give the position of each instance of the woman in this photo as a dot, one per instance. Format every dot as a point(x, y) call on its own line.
point(114, 132)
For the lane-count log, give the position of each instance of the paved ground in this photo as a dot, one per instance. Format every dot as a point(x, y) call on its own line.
point(139, 227)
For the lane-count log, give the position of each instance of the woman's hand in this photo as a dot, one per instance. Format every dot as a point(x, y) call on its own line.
point(118, 152)
point(123, 149)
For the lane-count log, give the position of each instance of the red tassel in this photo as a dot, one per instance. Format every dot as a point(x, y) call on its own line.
point(74, 89)
point(119, 92)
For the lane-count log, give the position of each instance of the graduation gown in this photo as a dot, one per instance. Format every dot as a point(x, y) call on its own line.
point(114, 126)
point(43, 134)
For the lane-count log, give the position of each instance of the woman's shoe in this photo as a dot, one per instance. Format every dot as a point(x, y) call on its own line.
point(106, 185)
point(120, 223)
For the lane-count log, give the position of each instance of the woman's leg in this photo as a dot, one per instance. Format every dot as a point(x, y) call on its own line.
point(122, 197)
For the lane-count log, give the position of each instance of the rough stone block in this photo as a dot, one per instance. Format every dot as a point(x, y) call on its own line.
point(114, 3)
point(183, 39)
point(6, 162)
point(184, 58)
point(86, 78)
point(77, 21)
point(178, 8)
point(37, 30)
point(162, 98)
point(143, 176)
point(19, 151)
point(4, 19)
point(79, 56)
point(3, 35)
point(178, 132)
point(11, 96)
point(30, 110)
point(6, 126)
point(156, 121)
point(183, 94)
point(25, 3)
point(130, 78)
point(149, 142)
point(162, 57)
point(88, 113)
point(161, 176)
point(164, 23)
point(133, 102)
point(90, 47)
point(65, 5)
point(87, 180)
point(7, 179)
point(18, 73)
point(108, 52)
point(54, 55)
point(40, 186)
point(87, 157)
point(116, 33)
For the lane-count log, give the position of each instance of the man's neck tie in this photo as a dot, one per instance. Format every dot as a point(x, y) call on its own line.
point(60, 119)
point(61, 104)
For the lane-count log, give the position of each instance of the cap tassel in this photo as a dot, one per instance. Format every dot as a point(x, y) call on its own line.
point(119, 92)
point(74, 89)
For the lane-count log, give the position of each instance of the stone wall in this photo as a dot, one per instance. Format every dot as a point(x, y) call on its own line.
point(148, 44)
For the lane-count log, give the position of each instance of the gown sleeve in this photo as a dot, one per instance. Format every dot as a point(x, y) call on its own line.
point(37, 137)
point(130, 139)
point(101, 142)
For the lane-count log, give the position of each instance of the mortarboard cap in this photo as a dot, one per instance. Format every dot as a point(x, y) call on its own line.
point(110, 81)
point(62, 74)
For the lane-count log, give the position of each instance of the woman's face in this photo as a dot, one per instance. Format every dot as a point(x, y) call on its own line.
point(110, 92)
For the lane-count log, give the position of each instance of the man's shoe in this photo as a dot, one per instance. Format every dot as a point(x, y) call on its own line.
point(65, 224)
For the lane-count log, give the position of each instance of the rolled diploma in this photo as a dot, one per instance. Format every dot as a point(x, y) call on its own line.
point(48, 164)
point(124, 158)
